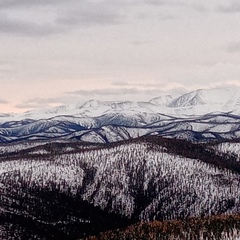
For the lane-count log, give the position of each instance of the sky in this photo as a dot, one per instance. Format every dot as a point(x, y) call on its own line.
point(55, 52)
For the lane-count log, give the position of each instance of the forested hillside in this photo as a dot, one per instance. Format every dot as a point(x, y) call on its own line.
point(71, 189)
point(220, 227)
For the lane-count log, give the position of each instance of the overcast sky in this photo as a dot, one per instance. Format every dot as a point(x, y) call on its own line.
point(61, 51)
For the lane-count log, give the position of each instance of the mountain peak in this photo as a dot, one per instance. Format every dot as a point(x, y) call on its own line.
point(195, 103)
point(162, 100)
point(91, 103)
point(215, 96)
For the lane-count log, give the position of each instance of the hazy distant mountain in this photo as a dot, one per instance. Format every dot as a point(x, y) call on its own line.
point(203, 114)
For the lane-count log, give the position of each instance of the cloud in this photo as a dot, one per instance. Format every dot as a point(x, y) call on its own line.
point(25, 28)
point(38, 102)
point(91, 15)
point(141, 93)
point(18, 17)
point(141, 42)
point(2, 101)
point(120, 83)
point(28, 105)
point(60, 16)
point(161, 2)
point(48, 102)
point(79, 96)
point(177, 3)
point(25, 3)
point(166, 17)
point(231, 83)
point(106, 91)
point(233, 47)
point(149, 87)
point(233, 7)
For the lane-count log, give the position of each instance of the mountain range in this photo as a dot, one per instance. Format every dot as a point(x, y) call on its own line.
point(201, 115)
point(155, 168)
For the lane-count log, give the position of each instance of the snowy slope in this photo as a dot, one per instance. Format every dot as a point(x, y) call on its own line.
point(49, 189)
point(199, 115)
point(199, 102)
point(231, 148)
point(140, 179)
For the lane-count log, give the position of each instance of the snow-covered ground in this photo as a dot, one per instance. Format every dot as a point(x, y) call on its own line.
point(195, 103)
point(229, 148)
point(117, 175)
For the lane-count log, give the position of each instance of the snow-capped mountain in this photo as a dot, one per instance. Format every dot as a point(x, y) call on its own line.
point(222, 100)
point(198, 115)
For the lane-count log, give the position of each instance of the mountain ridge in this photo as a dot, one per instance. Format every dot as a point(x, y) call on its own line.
point(69, 189)
point(201, 115)
point(219, 99)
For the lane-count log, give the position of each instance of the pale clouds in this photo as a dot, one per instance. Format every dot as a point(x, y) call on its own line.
point(23, 28)
point(41, 18)
point(25, 3)
point(91, 15)
point(62, 51)
point(2, 101)
point(107, 94)
point(229, 7)
point(233, 47)
point(120, 83)
point(37, 103)
point(106, 91)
